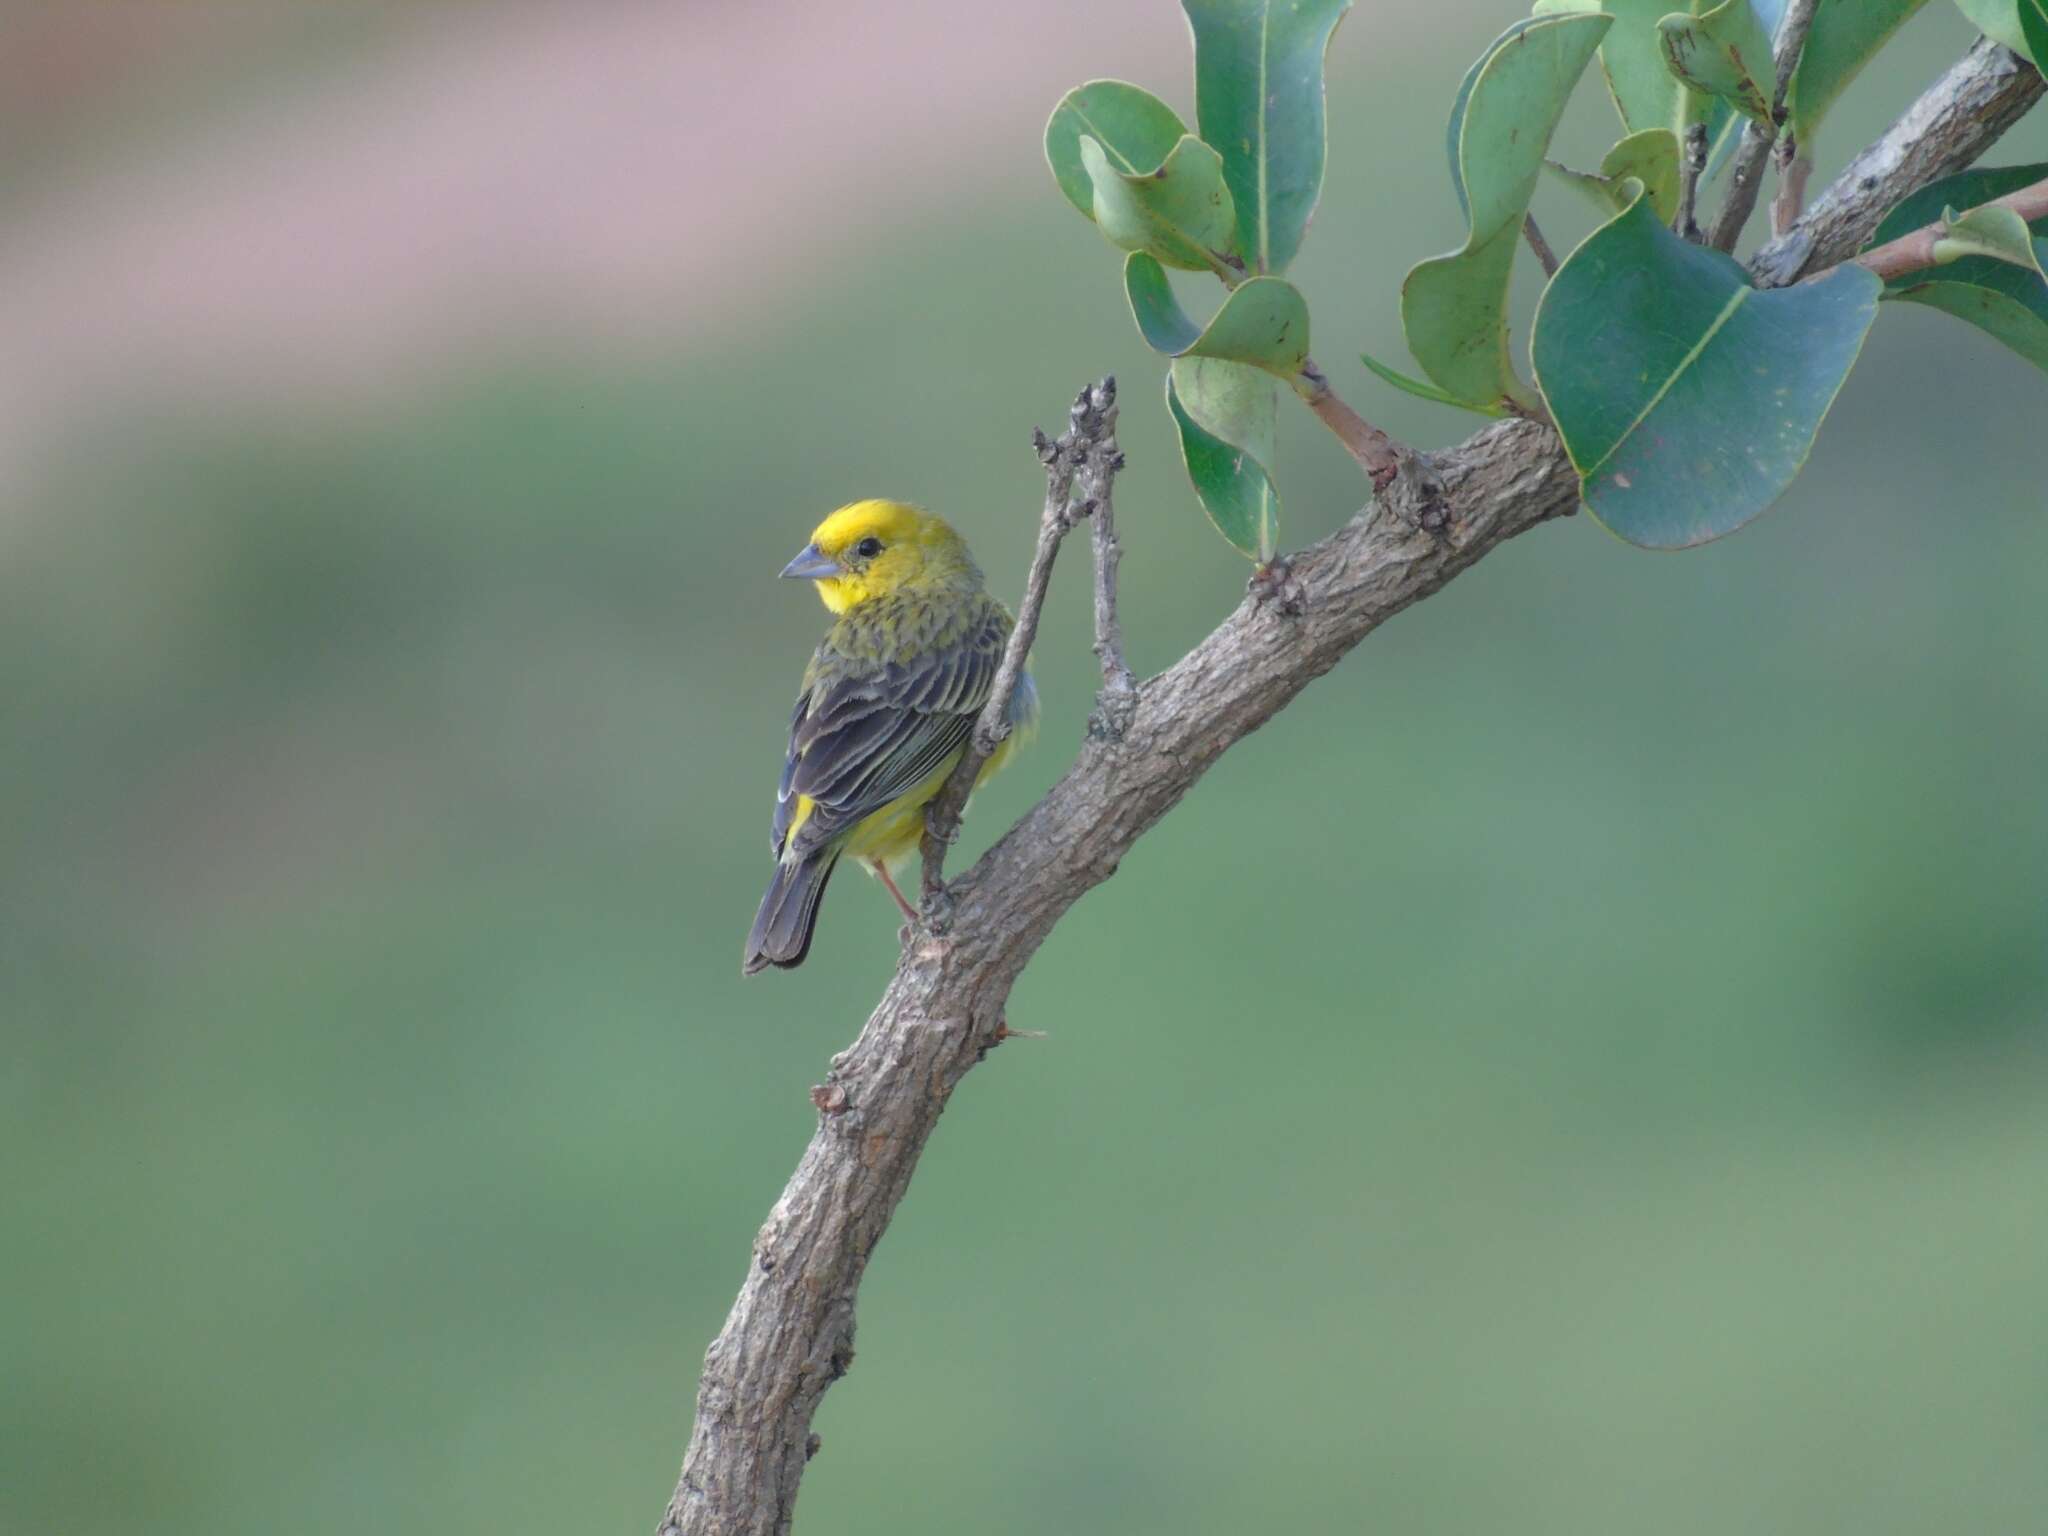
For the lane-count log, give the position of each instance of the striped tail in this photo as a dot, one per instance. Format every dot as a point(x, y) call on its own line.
point(782, 928)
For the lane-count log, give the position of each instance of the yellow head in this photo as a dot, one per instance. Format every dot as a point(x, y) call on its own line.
point(873, 549)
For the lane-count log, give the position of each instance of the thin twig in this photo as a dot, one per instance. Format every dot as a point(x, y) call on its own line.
point(1119, 696)
point(1083, 453)
point(1794, 169)
point(1789, 49)
point(1692, 164)
point(1915, 252)
point(1545, 256)
point(1746, 180)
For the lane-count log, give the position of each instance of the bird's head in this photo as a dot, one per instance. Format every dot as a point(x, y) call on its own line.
point(874, 549)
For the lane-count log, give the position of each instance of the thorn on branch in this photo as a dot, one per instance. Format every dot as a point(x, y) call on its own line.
point(829, 1099)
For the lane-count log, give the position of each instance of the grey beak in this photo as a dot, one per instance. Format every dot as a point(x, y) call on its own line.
point(810, 565)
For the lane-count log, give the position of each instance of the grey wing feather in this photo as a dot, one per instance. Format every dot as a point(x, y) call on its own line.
point(864, 740)
point(785, 792)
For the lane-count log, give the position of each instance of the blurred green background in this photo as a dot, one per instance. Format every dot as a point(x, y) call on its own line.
point(1582, 1069)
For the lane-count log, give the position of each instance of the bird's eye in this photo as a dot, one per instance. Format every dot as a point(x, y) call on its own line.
point(868, 547)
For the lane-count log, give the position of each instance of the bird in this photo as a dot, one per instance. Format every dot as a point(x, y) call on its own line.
point(888, 703)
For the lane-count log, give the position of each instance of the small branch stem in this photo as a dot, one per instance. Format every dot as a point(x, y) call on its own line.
point(1119, 695)
point(1545, 256)
point(1692, 164)
point(1378, 454)
point(1793, 171)
point(1915, 252)
point(1746, 180)
point(1086, 453)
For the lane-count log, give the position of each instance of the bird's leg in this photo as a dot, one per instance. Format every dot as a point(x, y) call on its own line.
point(882, 873)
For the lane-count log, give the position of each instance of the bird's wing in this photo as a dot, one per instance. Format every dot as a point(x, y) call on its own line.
point(863, 739)
point(785, 792)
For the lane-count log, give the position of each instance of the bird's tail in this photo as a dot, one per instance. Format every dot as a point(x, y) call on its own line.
point(782, 928)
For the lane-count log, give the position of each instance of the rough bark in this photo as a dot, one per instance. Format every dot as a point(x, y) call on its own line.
point(1955, 120)
point(790, 1333)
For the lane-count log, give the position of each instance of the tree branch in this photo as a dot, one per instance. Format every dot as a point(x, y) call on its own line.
point(1795, 169)
point(790, 1333)
point(1948, 129)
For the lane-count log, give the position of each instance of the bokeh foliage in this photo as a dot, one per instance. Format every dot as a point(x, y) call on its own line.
point(1672, 451)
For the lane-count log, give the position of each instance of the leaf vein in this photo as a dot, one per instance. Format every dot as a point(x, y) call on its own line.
point(1735, 302)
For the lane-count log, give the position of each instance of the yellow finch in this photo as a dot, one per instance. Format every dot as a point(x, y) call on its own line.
point(888, 704)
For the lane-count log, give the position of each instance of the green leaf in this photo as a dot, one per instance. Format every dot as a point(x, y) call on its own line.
point(1454, 308)
point(1844, 39)
point(2005, 302)
point(1454, 132)
point(1725, 53)
point(1136, 130)
point(2034, 30)
point(1226, 416)
point(1632, 60)
point(1997, 233)
point(1416, 387)
point(1650, 157)
point(1161, 321)
point(2008, 302)
point(1259, 100)
point(1688, 399)
point(1264, 321)
point(1180, 212)
point(1965, 190)
point(2003, 21)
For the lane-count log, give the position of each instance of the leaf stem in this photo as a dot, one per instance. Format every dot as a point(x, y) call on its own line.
point(1377, 454)
point(1915, 252)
